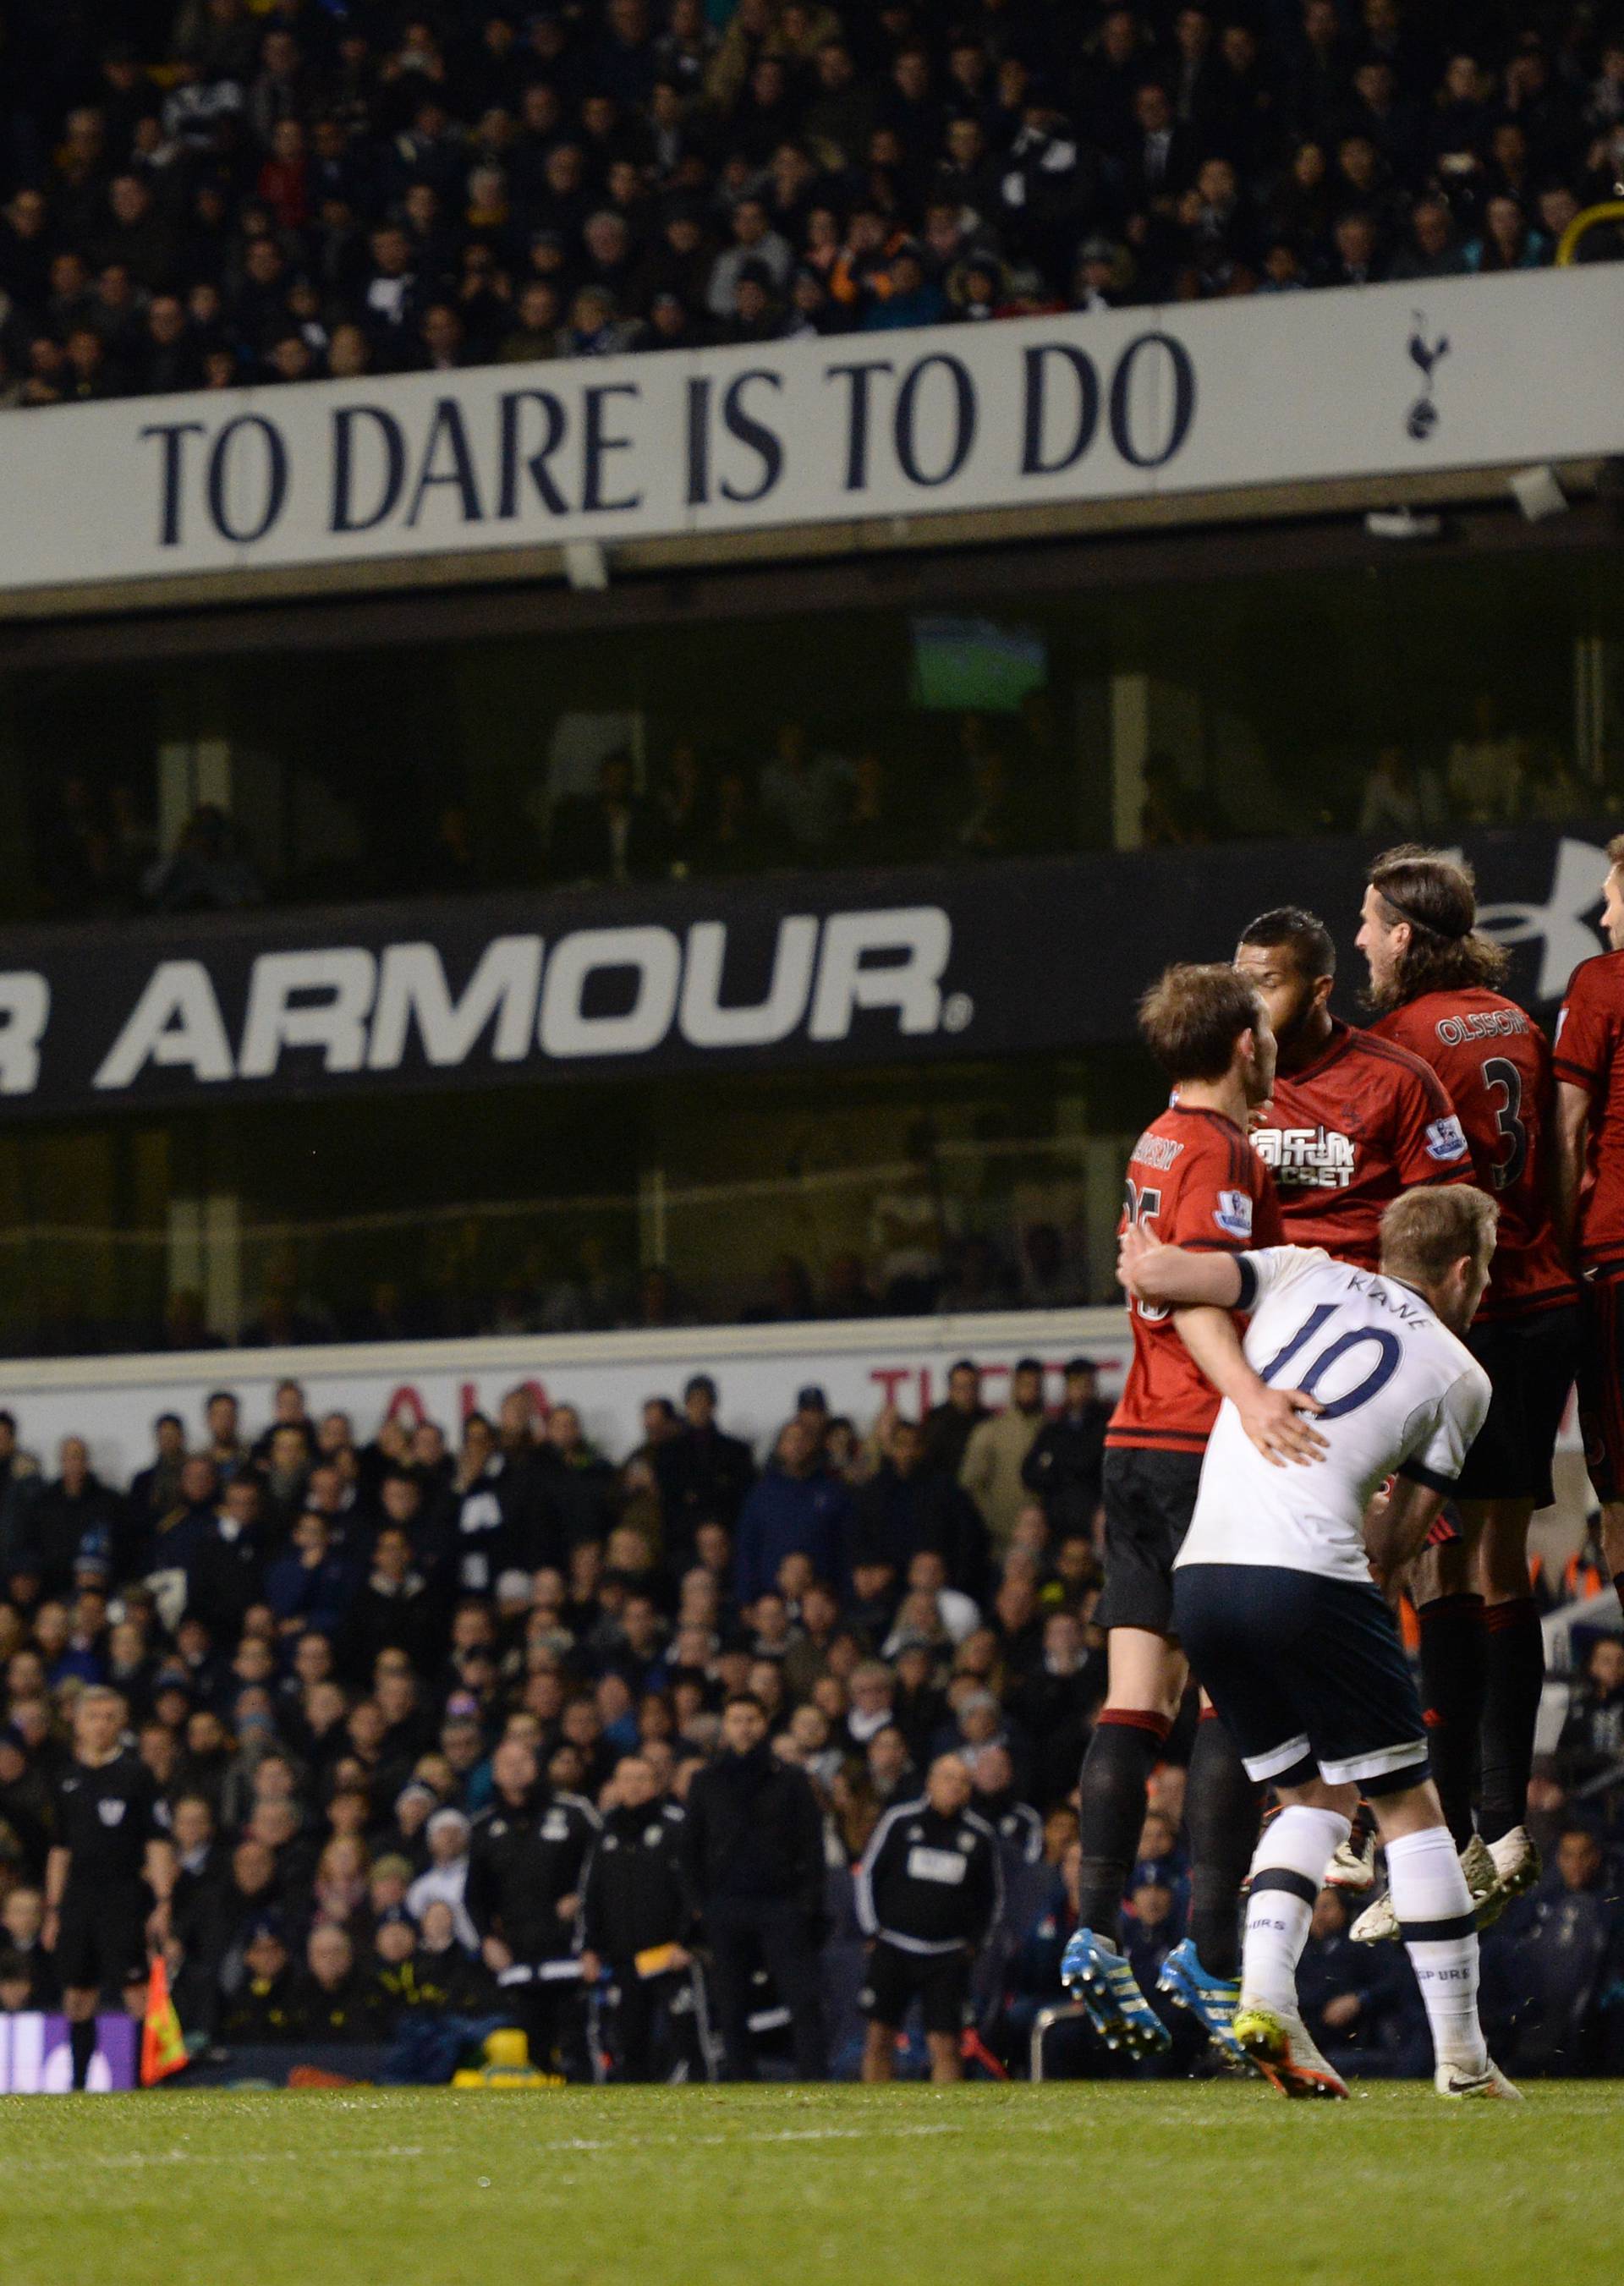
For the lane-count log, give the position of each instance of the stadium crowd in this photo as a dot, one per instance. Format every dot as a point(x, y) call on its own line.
point(201, 193)
point(419, 1718)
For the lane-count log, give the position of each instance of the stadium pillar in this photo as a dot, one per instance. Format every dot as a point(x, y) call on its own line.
point(205, 1258)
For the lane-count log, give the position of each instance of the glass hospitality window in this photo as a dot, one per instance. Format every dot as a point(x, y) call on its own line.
point(764, 1198)
point(1408, 695)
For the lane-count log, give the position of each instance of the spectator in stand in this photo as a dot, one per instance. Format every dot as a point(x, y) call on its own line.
point(1400, 798)
point(795, 1509)
point(1064, 1467)
point(949, 1425)
point(1486, 771)
point(703, 1474)
point(1558, 1954)
point(996, 1452)
point(1592, 1742)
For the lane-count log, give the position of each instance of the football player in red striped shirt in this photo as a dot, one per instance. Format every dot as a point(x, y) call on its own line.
point(1354, 1119)
point(1589, 1148)
point(1194, 1181)
point(1435, 983)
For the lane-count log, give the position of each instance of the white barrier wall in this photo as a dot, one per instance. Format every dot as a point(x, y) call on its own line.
point(112, 1401)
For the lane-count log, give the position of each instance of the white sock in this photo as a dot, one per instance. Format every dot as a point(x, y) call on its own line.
point(1434, 1908)
point(1288, 1872)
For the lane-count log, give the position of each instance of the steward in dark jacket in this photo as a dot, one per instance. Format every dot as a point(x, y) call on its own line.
point(755, 1852)
point(527, 1864)
point(638, 1915)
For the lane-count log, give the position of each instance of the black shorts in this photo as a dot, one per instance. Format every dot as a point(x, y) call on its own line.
point(1307, 1674)
point(101, 1936)
point(939, 1980)
point(1601, 1385)
point(1531, 1363)
point(1149, 1499)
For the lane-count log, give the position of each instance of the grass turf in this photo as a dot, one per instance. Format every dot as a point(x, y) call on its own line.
point(973, 2186)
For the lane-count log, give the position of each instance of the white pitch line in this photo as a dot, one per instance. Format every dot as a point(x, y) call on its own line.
point(135, 2160)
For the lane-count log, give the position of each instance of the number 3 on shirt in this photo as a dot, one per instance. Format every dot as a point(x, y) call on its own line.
point(1502, 1079)
point(1141, 1207)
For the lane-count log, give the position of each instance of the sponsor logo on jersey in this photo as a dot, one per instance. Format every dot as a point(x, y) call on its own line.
point(111, 1813)
point(935, 1865)
point(1307, 1158)
point(1446, 1140)
point(555, 1826)
point(1233, 1214)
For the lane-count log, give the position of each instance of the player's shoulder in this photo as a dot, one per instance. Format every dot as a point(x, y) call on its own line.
point(1452, 1363)
point(1599, 978)
point(1394, 1053)
point(580, 1809)
point(1215, 1144)
point(1309, 1261)
point(1167, 1140)
point(893, 1818)
point(1469, 1387)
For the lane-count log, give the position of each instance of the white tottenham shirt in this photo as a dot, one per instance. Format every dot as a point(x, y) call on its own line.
point(1401, 1394)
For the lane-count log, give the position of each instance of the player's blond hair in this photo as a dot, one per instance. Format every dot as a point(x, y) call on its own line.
point(1425, 1233)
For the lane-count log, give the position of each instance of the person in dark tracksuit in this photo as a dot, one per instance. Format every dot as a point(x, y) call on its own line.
point(755, 1838)
point(930, 1889)
point(528, 1858)
point(637, 1913)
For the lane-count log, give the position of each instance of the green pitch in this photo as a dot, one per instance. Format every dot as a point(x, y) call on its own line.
point(1090, 2185)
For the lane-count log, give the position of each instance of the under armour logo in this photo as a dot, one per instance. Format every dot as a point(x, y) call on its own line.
point(1559, 924)
point(1422, 418)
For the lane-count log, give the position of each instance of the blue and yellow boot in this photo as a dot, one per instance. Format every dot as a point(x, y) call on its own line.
point(1212, 2000)
point(1096, 1973)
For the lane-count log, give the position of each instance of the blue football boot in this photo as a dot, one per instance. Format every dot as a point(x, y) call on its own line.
point(1096, 1973)
point(1212, 2000)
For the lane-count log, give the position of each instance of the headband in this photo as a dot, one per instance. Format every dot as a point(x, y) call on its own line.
point(1417, 920)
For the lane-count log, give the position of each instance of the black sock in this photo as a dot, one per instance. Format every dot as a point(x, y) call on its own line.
point(82, 2042)
point(1618, 1586)
point(1124, 1749)
point(1222, 1808)
point(1513, 1680)
point(1452, 1672)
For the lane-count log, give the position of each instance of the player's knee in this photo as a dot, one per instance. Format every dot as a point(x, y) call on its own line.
point(1320, 1793)
point(1411, 1809)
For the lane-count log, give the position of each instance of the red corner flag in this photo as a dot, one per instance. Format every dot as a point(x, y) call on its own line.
point(163, 2051)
